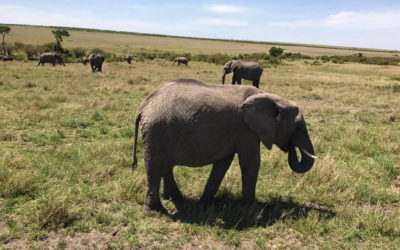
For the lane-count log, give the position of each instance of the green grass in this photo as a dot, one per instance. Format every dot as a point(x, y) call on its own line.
point(66, 138)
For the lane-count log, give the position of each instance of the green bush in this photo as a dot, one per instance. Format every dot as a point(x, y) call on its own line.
point(296, 56)
point(214, 58)
point(31, 51)
point(48, 47)
point(19, 46)
point(96, 50)
point(78, 52)
point(359, 58)
point(275, 52)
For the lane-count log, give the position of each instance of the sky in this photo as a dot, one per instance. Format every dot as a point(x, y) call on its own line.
point(367, 23)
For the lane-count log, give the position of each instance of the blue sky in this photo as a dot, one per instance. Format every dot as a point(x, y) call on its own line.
point(370, 24)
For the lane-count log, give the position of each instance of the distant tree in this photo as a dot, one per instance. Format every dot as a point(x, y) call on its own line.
point(275, 52)
point(4, 30)
point(58, 34)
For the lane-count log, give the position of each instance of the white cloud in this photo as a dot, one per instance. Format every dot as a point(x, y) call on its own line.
point(365, 20)
point(361, 20)
point(223, 8)
point(210, 21)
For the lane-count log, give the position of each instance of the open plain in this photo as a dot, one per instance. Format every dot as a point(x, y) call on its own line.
point(66, 137)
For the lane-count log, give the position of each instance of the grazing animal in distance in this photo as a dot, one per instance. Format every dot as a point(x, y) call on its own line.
point(50, 57)
point(243, 69)
point(181, 59)
point(186, 122)
point(129, 59)
point(96, 61)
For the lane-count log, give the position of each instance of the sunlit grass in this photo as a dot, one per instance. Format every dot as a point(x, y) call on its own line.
point(66, 138)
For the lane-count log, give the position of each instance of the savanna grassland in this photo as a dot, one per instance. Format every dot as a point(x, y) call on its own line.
point(66, 138)
point(129, 43)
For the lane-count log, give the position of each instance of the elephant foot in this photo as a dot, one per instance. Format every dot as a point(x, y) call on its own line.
point(152, 211)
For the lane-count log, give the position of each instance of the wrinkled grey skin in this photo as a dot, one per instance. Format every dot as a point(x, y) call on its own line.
point(243, 70)
point(85, 60)
point(96, 61)
point(186, 122)
point(182, 60)
point(129, 59)
point(50, 57)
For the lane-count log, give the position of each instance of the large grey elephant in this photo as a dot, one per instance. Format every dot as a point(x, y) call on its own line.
point(181, 59)
point(186, 122)
point(96, 61)
point(50, 57)
point(243, 69)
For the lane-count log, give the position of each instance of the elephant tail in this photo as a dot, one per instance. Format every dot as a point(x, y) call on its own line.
point(138, 118)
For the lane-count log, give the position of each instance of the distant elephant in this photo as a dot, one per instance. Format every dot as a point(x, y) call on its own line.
point(243, 69)
point(96, 61)
point(186, 122)
point(85, 60)
point(50, 57)
point(129, 59)
point(182, 60)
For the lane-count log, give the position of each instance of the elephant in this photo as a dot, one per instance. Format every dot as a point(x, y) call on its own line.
point(243, 69)
point(180, 60)
point(50, 57)
point(190, 123)
point(129, 59)
point(85, 60)
point(96, 61)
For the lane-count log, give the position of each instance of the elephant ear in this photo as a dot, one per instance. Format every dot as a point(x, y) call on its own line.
point(234, 66)
point(262, 114)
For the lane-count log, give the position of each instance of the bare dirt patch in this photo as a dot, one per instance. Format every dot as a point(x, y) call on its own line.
point(92, 240)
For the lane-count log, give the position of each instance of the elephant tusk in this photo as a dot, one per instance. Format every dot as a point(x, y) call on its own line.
point(308, 154)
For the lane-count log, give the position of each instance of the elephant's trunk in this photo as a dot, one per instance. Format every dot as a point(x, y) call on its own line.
point(223, 78)
point(307, 158)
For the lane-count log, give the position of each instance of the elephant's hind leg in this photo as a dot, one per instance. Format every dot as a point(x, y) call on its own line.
point(155, 171)
point(171, 190)
point(152, 202)
point(216, 176)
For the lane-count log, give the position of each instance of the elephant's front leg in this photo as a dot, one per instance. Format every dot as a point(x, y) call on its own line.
point(249, 161)
point(171, 190)
point(256, 83)
point(234, 78)
point(216, 176)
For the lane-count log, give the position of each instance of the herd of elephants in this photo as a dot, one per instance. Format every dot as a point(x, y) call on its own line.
point(190, 123)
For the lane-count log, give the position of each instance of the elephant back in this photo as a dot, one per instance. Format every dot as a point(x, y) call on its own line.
point(96, 58)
